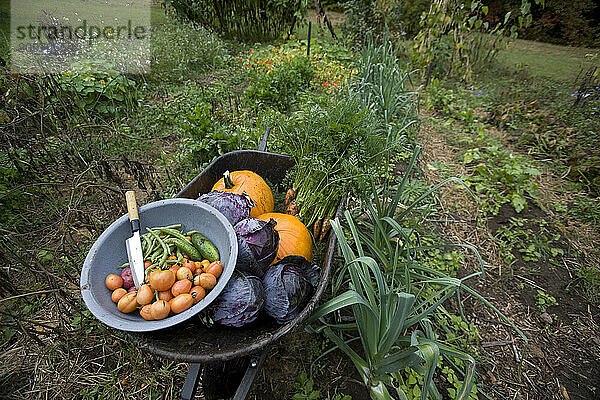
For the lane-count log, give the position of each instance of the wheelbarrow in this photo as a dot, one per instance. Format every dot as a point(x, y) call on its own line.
point(229, 358)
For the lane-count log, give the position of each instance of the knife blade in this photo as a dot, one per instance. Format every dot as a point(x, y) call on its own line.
point(134, 243)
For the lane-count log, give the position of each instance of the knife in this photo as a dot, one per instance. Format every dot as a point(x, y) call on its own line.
point(134, 244)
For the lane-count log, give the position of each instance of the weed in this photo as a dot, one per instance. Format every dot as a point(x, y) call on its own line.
point(306, 391)
point(531, 239)
point(543, 300)
point(305, 387)
point(591, 278)
point(501, 176)
point(585, 209)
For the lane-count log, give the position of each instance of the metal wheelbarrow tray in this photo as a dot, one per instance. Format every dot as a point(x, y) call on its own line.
point(193, 342)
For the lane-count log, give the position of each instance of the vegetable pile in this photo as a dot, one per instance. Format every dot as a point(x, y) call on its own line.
point(179, 270)
point(274, 274)
point(274, 271)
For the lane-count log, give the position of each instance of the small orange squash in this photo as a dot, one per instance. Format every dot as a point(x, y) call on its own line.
point(254, 186)
point(294, 238)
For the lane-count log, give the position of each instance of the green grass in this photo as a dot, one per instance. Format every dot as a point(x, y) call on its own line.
point(544, 60)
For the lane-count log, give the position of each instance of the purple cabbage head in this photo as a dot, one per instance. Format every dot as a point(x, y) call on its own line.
point(235, 207)
point(289, 285)
point(240, 301)
point(257, 245)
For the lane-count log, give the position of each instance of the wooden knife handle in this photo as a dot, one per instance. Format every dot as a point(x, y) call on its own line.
point(131, 205)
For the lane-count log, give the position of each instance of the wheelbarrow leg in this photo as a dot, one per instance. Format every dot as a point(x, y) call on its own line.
point(191, 382)
point(256, 361)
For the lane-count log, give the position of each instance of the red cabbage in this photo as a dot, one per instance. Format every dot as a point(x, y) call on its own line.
point(289, 285)
point(240, 301)
point(257, 245)
point(235, 207)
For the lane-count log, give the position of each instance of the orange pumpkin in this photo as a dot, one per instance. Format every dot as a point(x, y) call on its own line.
point(254, 186)
point(294, 238)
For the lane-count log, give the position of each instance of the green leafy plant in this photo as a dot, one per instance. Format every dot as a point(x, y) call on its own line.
point(306, 391)
point(305, 387)
point(205, 137)
point(250, 21)
point(501, 176)
point(393, 299)
point(380, 81)
point(543, 300)
point(366, 19)
point(460, 28)
point(95, 86)
point(280, 85)
point(336, 149)
point(181, 51)
point(531, 239)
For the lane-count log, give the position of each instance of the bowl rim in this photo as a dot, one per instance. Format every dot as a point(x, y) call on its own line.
point(142, 325)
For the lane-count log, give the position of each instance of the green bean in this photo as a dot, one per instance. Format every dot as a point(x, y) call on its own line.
point(171, 226)
point(163, 245)
point(173, 232)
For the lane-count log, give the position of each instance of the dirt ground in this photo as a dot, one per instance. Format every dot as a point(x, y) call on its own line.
point(561, 359)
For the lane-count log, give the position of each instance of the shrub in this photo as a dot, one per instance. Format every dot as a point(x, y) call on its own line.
point(249, 21)
point(369, 18)
point(182, 50)
point(279, 85)
point(95, 86)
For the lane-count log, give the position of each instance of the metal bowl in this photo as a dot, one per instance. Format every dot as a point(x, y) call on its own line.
point(109, 252)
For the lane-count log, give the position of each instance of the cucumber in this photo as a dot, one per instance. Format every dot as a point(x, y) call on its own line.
point(187, 248)
point(205, 247)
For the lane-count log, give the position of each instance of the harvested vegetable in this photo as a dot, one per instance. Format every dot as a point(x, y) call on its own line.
point(128, 303)
point(294, 238)
point(181, 287)
point(207, 281)
point(184, 273)
point(235, 207)
point(144, 295)
point(197, 293)
point(127, 278)
point(204, 246)
point(117, 294)
point(215, 268)
point(160, 309)
point(146, 312)
point(258, 242)
point(289, 285)
point(251, 183)
point(113, 282)
point(162, 280)
point(176, 276)
point(337, 149)
point(240, 301)
point(181, 303)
